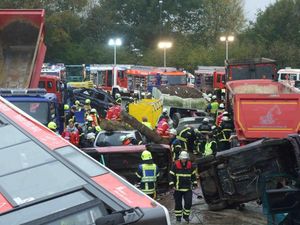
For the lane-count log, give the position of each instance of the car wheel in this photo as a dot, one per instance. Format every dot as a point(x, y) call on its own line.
point(217, 206)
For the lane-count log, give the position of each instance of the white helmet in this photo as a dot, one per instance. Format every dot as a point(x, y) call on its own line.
point(222, 106)
point(225, 113)
point(89, 118)
point(165, 110)
point(90, 136)
point(210, 95)
point(214, 97)
point(173, 131)
point(206, 120)
point(93, 110)
point(184, 155)
point(117, 95)
point(225, 118)
point(213, 127)
point(123, 138)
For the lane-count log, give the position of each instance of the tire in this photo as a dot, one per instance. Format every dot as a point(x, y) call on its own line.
point(217, 206)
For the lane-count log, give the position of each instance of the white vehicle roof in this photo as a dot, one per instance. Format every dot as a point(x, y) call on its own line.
point(286, 71)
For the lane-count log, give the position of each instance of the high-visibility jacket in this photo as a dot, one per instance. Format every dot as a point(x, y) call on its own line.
point(148, 174)
point(210, 148)
point(214, 107)
point(183, 177)
point(96, 119)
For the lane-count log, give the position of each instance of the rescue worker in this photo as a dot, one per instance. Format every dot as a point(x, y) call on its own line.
point(87, 107)
point(214, 106)
point(163, 114)
point(201, 133)
point(52, 126)
point(187, 137)
point(78, 106)
point(80, 133)
point(223, 137)
point(114, 112)
point(146, 123)
point(94, 115)
point(89, 127)
point(183, 180)
point(175, 144)
point(219, 118)
point(71, 134)
point(210, 145)
point(125, 140)
point(220, 110)
point(118, 98)
point(89, 140)
point(147, 173)
point(71, 115)
point(163, 127)
point(130, 100)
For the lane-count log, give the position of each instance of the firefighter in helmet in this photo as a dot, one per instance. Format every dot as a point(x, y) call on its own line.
point(183, 180)
point(52, 126)
point(147, 174)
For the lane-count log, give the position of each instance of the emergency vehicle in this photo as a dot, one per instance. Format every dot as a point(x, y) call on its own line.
point(145, 78)
point(46, 180)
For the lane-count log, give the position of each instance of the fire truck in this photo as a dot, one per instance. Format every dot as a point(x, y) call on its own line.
point(145, 78)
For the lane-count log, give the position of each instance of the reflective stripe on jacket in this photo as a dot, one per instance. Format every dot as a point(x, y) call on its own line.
point(183, 176)
point(148, 173)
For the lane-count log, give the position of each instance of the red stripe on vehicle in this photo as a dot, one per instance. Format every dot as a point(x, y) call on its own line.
point(43, 134)
point(127, 195)
point(4, 204)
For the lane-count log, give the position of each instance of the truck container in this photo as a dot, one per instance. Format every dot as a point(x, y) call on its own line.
point(22, 48)
point(255, 68)
point(263, 108)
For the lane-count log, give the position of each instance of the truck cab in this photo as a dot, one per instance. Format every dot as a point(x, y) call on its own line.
point(53, 84)
point(37, 103)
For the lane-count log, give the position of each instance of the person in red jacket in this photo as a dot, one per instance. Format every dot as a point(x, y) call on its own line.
point(71, 133)
point(114, 112)
point(163, 128)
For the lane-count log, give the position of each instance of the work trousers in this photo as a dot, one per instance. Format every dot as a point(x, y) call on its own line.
point(187, 196)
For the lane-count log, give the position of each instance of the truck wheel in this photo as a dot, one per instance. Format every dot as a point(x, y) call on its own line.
point(217, 206)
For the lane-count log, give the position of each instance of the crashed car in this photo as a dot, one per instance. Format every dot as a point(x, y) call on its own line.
point(124, 160)
point(195, 122)
point(100, 100)
point(115, 138)
point(236, 175)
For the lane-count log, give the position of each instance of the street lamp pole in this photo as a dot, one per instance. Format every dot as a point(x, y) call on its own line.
point(227, 39)
point(164, 45)
point(115, 42)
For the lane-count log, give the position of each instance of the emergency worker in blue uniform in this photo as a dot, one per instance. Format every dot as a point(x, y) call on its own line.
point(148, 173)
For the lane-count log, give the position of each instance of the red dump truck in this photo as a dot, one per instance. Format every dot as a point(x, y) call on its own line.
point(263, 108)
point(22, 48)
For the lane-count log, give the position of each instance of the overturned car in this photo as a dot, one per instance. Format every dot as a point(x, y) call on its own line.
point(238, 175)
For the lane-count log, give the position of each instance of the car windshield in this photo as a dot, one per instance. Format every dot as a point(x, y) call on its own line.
point(193, 123)
point(38, 110)
point(114, 138)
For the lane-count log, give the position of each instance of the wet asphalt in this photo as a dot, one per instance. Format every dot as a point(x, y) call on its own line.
point(251, 214)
